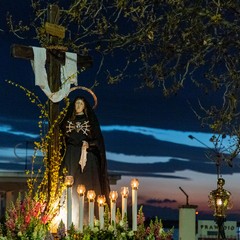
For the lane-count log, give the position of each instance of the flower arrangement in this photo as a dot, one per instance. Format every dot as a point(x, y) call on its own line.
point(120, 231)
point(25, 220)
point(28, 220)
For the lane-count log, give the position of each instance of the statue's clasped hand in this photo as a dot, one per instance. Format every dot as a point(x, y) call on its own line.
point(83, 157)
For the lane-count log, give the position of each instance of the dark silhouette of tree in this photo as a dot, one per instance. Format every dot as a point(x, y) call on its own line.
point(171, 43)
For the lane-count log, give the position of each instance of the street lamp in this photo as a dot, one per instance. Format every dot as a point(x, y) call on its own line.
point(219, 201)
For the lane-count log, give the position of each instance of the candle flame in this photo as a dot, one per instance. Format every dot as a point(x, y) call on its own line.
point(101, 199)
point(91, 194)
point(69, 180)
point(135, 183)
point(124, 191)
point(81, 189)
point(219, 202)
point(113, 195)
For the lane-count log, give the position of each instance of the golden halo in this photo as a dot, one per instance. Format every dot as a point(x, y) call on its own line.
point(88, 90)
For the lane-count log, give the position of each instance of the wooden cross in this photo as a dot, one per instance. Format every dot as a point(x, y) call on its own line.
point(55, 59)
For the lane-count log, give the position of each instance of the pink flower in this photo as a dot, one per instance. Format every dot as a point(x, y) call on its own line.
point(45, 219)
point(10, 224)
point(23, 208)
point(36, 209)
point(27, 219)
point(156, 231)
point(43, 206)
point(148, 230)
point(14, 215)
point(37, 206)
point(140, 219)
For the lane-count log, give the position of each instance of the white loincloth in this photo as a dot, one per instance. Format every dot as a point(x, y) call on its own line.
point(68, 74)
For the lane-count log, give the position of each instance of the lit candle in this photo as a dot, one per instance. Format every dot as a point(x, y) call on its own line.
point(113, 195)
point(91, 198)
point(81, 191)
point(101, 201)
point(69, 182)
point(134, 185)
point(124, 192)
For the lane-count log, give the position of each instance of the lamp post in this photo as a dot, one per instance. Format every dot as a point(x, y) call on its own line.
point(113, 195)
point(219, 200)
point(81, 192)
point(69, 182)
point(124, 193)
point(134, 185)
point(91, 199)
point(101, 199)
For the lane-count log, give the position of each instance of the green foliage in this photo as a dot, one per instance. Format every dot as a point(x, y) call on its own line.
point(120, 231)
point(25, 219)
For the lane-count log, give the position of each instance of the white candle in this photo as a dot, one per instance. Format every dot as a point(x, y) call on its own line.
point(101, 200)
point(91, 197)
point(134, 184)
point(69, 207)
point(113, 212)
point(91, 214)
point(101, 216)
point(124, 192)
point(81, 213)
point(113, 197)
point(69, 182)
point(81, 190)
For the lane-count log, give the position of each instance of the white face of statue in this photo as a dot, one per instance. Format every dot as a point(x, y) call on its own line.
point(79, 106)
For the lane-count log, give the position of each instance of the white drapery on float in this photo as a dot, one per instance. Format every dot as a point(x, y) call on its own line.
point(68, 74)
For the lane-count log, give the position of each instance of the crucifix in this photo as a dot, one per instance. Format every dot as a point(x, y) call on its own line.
point(54, 60)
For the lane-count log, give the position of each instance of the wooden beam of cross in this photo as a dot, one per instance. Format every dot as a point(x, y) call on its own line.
point(26, 52)
point(54, 61)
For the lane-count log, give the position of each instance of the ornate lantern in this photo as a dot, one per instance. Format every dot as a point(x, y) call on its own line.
point(220, 201)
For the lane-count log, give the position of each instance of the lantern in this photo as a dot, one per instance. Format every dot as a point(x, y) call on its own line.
point(219, 201)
